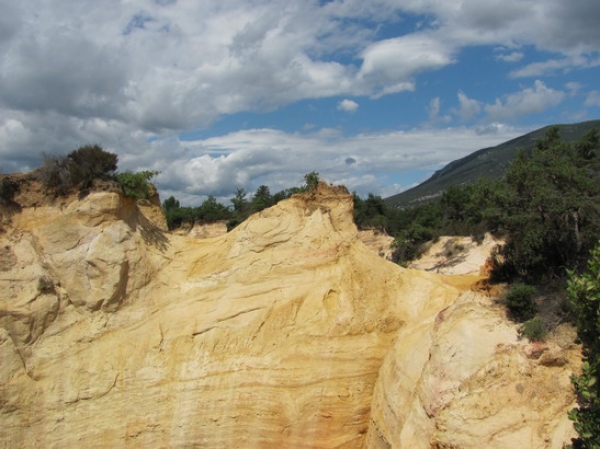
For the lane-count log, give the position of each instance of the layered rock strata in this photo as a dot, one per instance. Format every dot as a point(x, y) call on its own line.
point(285, 332)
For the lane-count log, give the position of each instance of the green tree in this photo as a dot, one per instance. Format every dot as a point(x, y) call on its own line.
point(550, 211)
point(211, 211)
point(584, 296)
point(370, 213)
point(261, 199)
point(172, 210)
point(312, 180)
point(239, 201)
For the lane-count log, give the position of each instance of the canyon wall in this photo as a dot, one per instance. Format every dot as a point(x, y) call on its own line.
point(285, 332)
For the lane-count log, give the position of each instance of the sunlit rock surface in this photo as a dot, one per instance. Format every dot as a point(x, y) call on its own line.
point(285, 332)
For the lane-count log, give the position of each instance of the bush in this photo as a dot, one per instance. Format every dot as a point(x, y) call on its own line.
point(55, 173)
point(79, 167)
point(7, 191)
point(519, 301)
point(90, 162)
point(136, 185)
point(533, 330)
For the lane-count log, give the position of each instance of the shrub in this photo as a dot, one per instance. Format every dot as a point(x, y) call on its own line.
point(55, 173)
point(79, 167)
point(533, 330)
point(7, 190)
point(136, 185)
point(519, 301)
point(90, 162)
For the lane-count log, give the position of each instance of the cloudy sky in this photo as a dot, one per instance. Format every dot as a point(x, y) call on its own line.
point(219, 94)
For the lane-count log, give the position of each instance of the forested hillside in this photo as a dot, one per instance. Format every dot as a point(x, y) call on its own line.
point(488, 163)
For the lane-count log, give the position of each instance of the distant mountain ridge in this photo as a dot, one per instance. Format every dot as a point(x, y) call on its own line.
point(489, 163)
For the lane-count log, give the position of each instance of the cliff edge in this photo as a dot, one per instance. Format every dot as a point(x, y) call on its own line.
point(285, 332)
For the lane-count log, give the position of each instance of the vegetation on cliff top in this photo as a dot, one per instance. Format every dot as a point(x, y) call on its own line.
point(78, 170)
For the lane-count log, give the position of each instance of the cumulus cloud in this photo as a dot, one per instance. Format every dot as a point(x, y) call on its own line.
point(391, 64)
point(249, 158)
point(133, 75)
point(468, 107)
point(348, 106)
point(593, 99)
point(434, 112)
point(510, 57)
point(528, 101)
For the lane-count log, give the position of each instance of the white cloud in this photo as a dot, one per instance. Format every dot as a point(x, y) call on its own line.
point(573, 87)
point(511, 57)
point(468, 107)
point(528, 101)
point(593, 99)
point(552, 66)
point(348, 105)
point(434, 109)
point(434, 112)
point(249, 158)
point(132, 75)
point(390, 65)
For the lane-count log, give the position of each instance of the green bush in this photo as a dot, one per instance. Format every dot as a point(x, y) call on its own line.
point(90, 162)
point(533, 330)
point(136, 185)
point(519, 302)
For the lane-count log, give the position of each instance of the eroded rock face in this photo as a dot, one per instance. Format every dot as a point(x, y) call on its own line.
point(286, 332)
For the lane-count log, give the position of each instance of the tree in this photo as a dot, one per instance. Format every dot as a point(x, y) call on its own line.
point(211, 211)
point(239, 201)
point(584, 296)
point(312, 180)
point(172, 211)
point(550, 209)
point(261, 199)
point(370, 213)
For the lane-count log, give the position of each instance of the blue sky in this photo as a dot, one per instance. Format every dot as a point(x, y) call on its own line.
point(217, 95)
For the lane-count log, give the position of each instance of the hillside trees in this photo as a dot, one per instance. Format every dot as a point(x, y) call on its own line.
point(371, 212)
point(550, 208)
point(547, 206)
point(584, 295)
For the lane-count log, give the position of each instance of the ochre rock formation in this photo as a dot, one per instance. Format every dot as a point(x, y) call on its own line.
point(285, 332)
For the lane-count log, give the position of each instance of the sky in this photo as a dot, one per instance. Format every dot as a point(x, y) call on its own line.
point(224, 94)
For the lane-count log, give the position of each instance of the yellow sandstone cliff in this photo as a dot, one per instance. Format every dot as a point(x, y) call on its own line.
point(285, 333)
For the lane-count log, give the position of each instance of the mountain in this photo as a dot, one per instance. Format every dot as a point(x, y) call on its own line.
point(487, 163)
point(286, 332)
